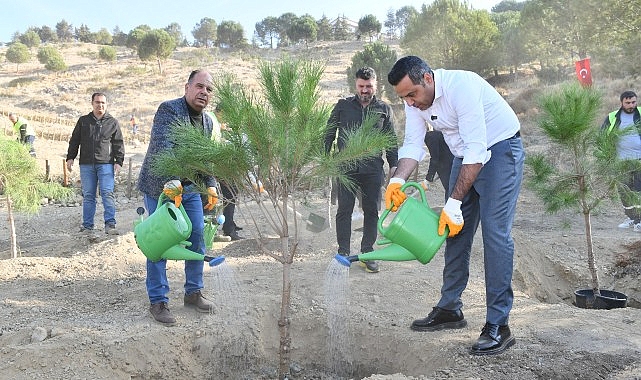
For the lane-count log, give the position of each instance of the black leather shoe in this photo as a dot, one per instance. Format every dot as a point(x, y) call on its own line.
point(494, 339)
point(440, 319)
point(234, 236)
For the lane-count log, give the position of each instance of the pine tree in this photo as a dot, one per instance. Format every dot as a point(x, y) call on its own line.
point(275, 137)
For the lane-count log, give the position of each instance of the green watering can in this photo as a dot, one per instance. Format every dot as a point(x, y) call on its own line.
point(163, 235)
point(411, 235)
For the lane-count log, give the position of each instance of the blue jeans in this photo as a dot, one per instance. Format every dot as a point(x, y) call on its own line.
point(492, 202)
point(29, 141)
point(92, 175)
point(157, 283)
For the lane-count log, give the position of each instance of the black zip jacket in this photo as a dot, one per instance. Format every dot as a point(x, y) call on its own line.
point(348, 114)
point(99, 141)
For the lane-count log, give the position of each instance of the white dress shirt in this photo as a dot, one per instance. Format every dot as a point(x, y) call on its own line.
point(472, 115)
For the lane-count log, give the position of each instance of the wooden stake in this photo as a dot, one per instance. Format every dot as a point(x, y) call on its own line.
point(129, 184)
point(65, 179)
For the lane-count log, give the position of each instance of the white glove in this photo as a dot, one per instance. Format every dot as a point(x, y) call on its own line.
point(452, 217)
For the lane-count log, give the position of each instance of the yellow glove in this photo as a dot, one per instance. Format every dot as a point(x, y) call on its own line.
point(452, 217)
point(212, 198)
point(394, 197)
point(174, 191)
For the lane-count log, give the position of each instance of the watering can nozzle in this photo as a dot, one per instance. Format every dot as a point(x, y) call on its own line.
point(346, 260)
point(214, 261)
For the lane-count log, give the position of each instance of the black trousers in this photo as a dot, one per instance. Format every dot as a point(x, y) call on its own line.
point(229, 200)
point(370, 188)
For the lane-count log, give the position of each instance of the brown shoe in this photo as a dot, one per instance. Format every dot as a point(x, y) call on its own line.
point(161, 314)
point(198, 302)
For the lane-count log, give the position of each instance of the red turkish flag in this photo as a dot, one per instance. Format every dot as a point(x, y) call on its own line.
point(583, 72)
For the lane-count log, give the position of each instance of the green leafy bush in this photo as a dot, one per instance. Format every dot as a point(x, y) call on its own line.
point(107, 53)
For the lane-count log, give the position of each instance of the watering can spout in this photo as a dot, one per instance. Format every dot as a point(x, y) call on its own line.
point(179, 252)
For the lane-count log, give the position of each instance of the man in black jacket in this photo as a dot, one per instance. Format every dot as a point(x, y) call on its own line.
point(98, 137)
point(440, 158)
point(349, 114)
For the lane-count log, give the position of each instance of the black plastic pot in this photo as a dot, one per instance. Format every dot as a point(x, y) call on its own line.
point(609, 299)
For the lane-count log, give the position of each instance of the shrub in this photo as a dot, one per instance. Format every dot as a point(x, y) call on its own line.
point(107, 53)
point(45, 53)
point(56, 64)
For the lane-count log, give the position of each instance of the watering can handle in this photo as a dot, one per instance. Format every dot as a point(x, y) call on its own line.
point(386, 212)
point(163, 197)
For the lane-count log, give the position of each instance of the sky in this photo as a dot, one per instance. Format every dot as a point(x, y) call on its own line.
point(19, 15)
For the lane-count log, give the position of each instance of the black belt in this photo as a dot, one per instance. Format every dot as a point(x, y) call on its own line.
point(516, 135)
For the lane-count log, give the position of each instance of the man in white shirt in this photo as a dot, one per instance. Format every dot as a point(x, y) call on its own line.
point(483, 134)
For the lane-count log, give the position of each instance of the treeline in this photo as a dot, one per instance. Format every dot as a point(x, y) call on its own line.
point(447, 33)
point(284, 30)
point(551, 33)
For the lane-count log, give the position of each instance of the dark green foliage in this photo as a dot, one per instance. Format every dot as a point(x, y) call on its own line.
point(277, 135)
point(83, 34)
point(56, 63)
point(103, 37)
point(381, 58)
point(136, 35)
point(20, 178)
point(47, 52)
point(51, 58)
point(304, 29)
point(64, 31)
point(230, 34)
point(18, 53)
point(267, 30)
point(369, 26)
point(581, 168)
point(107, 53)
point(205, 32)
point(156, 44)
point(449, 34)
point(30, 38)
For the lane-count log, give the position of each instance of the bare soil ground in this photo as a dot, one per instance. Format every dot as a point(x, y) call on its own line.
point(75, 309)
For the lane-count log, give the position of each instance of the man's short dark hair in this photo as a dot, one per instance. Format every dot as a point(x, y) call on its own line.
point(193, 74)
point(93, 96)
point(366, 73)
point(412, 66)
point(628, 95)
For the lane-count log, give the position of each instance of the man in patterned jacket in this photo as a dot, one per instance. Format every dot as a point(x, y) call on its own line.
point(187, 110)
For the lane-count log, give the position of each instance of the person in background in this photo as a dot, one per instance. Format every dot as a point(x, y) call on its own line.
point(628, 148)
point(25, 132)
point(229, 192)
point(134, 124)
point(349, 114)
point(186, 110)
point(483, 133)
point(98, 137)
point(440, 158)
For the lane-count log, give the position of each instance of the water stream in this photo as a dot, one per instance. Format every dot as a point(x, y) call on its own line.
point(226, 290)
point(339, 342)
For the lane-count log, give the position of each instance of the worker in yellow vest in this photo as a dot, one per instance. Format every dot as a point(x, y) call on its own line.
point(628, 148)
point(26, 133)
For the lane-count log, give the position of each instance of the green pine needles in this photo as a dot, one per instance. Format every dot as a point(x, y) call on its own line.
point(581, 168)
point(277, 135)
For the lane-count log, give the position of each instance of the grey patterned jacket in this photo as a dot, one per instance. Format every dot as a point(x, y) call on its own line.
point(169, 113)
